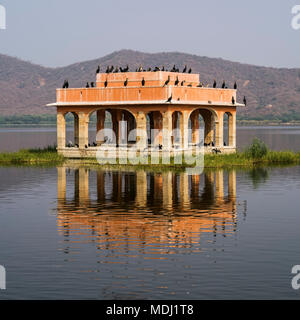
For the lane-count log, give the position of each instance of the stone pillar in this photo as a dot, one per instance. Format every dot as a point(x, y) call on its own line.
point(76, 129)
point(174, 125)
point(209, 128)
point(61, 130)
point(100, 126)
point(184, 132)
point(61, 183)
point(167, 130)
point(141, 134)
point(195, 126)
point(116, 118)
point(141, 190)
point(219, 131)
point(83, 130)
point(232, 129)
point(158, 126)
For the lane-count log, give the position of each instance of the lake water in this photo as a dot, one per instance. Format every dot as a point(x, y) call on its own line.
point(277, 138)
point(84, 233)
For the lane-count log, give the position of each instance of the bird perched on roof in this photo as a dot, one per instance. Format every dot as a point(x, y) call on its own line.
point(126, 69)
point(143, 82)
point(87, 85)
point(184, 69)
point(105, 83)
point(98, 69)
point(116, 70)
point(176, 82)
point(163, 68)
point(245, 101)
point(111, 69)
point(235, 85)
point(140, 69)
point(214, 84)
point(190, 85)
point(107, 69)
point(233, 100)
point(190, 70)
point(66, 84)
point(167, 81)
point(149, 69)
point(223, 84)
point(173, 69)
point(126, 82)
point(182, 83)
point(92, 84)
point(170, 99)
point(200, 85)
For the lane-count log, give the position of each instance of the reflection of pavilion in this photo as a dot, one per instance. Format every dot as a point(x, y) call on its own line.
point(151, 206)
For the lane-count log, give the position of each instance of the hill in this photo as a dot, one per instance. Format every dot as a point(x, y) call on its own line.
point(272, 93)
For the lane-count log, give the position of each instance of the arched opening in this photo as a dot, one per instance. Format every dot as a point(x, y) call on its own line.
point(112, 126)
point(176, 129)
point(201, 125)
point(72, 129)
point(228, 133)
point(154, 128)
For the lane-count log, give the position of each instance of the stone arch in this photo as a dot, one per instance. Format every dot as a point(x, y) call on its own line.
point(120, 120)
point(70, 136)
point(209, 117)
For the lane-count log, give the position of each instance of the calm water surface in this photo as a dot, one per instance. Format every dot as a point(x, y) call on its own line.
point(78, 232)
point(277, 138)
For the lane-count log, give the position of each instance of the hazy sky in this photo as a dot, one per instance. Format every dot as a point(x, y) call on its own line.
point(61, 32)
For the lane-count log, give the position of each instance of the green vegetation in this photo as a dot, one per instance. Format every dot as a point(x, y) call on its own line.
point(254, 155)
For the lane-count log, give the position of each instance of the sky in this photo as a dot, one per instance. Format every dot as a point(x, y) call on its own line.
point(61, 32)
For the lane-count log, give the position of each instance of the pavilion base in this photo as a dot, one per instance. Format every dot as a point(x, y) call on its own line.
point(91, 152)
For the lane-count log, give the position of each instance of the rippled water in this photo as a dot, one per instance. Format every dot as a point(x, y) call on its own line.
point(79, 232)
point(277, 138)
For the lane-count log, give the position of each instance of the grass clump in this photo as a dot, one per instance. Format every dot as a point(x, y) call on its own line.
point(257, 150)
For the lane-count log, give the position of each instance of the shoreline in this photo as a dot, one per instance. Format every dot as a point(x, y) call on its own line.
point(49, 157)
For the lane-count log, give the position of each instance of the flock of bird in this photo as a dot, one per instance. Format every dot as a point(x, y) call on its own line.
point(112, 69)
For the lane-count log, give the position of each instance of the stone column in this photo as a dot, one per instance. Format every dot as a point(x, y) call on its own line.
point(76, 129)
point(116, 118)
point(184, 132)
point(83, 176)
point(232, 184)
point(209, 129)
point(100, 126)
point(174, 125)
point(167, 130)
point(83, 130)
point(219, 131)
point(184, 190)
point(195, 126)
point(141, 126)
point(61, 130)
point(158, 125)
point(232, 129)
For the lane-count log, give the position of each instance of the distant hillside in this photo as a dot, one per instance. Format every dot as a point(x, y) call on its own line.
point(26, 88)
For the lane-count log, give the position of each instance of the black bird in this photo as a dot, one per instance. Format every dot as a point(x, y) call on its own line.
point(200, 85)
point(245, 101)
point(223, 84)
point(126, 82)
point(143, 82)
point(173, 69)
point(98, 69)
point(121, 69)
point(214, 84)
point(111, 69)
point(116, 70)
point(184, 70)
point(105, 83)
point(149, 69)
point(126, 69)
point(163, 68)
point(92, 84)
point(233, 100)
point(66, 84)
point(107, 69)
point(182, 83)
point(190, 70)
point(235, 85)
point(167, 81)
point(86, 146)
point(87, 85)
point(190, 85)
point(140, 69)
point(94, 144)
point(176, 82)
point(170, 99)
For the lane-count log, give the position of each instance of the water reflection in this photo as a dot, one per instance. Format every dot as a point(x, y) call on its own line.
point(145, 209)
